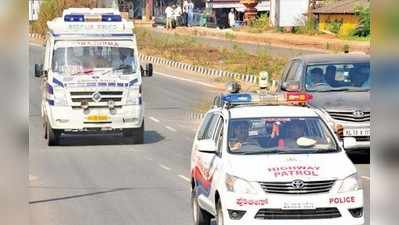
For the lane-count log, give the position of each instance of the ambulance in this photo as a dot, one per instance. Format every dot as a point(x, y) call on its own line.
point(262, 159)
point(91, 79)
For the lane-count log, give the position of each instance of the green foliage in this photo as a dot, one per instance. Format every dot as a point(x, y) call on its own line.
point(334, 26)
point(260, 24)
point(363, 29)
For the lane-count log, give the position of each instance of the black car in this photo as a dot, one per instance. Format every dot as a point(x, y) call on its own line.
point(340, 89)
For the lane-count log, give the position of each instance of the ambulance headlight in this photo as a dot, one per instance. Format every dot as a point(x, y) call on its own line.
point(351, 183)
point(133, 96)
point(59, 97)
point(239, 185)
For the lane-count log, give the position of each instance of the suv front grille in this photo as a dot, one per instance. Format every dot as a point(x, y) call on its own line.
point(348, 116)
point(309, 187)
point(297, 214)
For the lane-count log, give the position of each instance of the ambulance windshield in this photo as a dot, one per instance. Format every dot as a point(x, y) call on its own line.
point(94, 58)
point(280, 136)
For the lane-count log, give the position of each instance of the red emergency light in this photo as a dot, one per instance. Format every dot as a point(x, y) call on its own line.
point(299, 98)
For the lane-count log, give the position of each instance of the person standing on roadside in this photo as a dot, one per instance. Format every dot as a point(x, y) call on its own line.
point(190, 12)
point(169, 17)
point(177, 15)
point(232, 18)
point(185, 13)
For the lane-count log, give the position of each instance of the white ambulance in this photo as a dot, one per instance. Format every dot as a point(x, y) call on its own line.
point(91, 76)
point(259, 159)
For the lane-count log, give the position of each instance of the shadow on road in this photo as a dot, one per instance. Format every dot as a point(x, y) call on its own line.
point(150, 137)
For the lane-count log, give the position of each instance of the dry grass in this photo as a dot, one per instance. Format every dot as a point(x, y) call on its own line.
point(186, 49)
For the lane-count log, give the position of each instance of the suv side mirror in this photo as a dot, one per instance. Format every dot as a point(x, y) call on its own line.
point(291, 86)
point(349, 142)
point(207, 146)
point(39, 70)
point(149, 70)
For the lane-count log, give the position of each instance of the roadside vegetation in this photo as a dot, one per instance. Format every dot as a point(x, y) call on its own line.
point(186, 49)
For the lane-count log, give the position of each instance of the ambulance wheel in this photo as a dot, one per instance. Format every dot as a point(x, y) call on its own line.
point(135, 135)
point(52, 135)
point(139, 135)
point(219, 214)
point(200, 216)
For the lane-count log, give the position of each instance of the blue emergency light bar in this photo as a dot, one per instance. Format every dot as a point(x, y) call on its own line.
point(81, 18)
point(111, 18)
point(237, 98)
point(74, 18)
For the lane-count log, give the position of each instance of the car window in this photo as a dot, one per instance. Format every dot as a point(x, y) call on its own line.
point(338, 77)
point(204, 126)
point(210, 129)
point(292, 72)
point(285, 71)
point(285, 135)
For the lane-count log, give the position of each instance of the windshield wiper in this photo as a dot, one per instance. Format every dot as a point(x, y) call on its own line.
point(259, 152)
point(352, 89)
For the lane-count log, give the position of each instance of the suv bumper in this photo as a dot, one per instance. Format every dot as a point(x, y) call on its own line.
point(252, 204)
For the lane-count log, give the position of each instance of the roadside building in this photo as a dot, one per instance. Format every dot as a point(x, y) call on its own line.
point(288, 13)
point(340, 14)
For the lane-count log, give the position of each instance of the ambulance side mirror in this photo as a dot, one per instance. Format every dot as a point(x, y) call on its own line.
point(149, 70)
point(349, 142)
point(207, 146)
point(39, 70)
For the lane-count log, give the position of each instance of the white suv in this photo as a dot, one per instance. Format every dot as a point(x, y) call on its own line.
point(271, 164)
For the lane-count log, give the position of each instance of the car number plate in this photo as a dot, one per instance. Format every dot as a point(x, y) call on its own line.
point(97, 118)
point(352, 132)
point(298, 205)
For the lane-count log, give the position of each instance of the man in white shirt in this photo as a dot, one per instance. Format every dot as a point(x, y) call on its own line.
point(232, 18)
point(169, 17)
point(185, 13)
point(177, 14)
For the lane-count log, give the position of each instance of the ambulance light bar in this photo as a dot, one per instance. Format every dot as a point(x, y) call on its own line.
point(91, 18)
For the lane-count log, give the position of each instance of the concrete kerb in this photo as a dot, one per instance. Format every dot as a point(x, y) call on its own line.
point(248, 78)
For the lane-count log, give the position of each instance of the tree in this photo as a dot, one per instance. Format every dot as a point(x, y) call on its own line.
point(363, 28)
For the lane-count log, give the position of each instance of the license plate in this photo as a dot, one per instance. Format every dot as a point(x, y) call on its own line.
point(97, 118)
point(351, 132)
point(298, 205)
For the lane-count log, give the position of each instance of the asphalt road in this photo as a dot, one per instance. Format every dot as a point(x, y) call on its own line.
point(101, 181)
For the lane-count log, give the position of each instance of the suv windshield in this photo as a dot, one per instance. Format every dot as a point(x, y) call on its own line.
point(279, 136)
point(338, 77)
point(89, 57)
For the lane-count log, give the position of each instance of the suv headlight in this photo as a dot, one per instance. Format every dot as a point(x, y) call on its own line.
point(239, 185)
point(351, 183)
point(134, 96)
point(59, 97)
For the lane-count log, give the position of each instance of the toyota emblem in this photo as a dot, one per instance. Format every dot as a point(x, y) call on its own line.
point(298, 184)
point(96, 96)
point(358, 114)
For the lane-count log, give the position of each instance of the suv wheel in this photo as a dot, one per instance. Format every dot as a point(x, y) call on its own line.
point(200, 216)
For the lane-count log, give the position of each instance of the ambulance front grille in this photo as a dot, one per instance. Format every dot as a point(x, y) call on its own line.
point(309, 187)
point(77, 97)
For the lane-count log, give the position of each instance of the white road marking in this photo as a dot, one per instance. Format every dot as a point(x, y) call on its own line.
point(154, 119)
point(164, 167)
point(184, 178)
point(187, 80)
point(171, 128)
point(148, 158)
point(366, 178)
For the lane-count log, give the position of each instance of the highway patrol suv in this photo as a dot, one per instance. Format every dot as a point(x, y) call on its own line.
point(264, 159)
point(91, 77)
